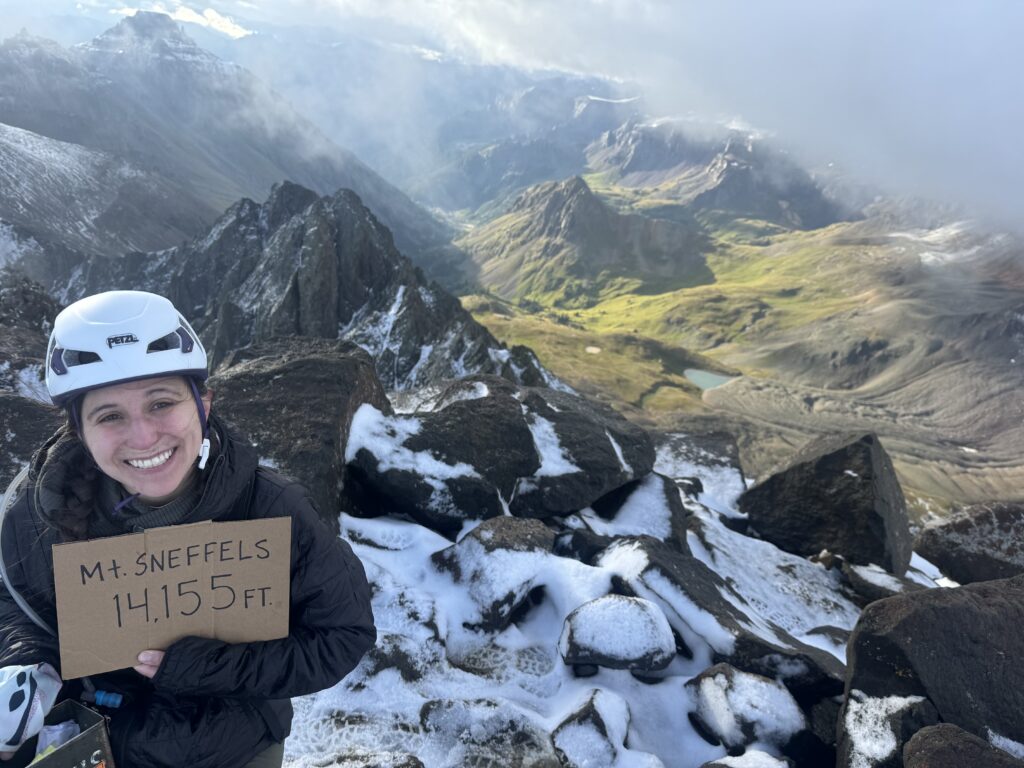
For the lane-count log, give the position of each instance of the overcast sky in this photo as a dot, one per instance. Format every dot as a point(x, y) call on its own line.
point(926, 96)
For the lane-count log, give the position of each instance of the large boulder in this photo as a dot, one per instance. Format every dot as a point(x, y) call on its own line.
point(980, 542)
point(839, 493)
point(873, 729)
point(946, 746)
point(483, 447)
point(295, 398)
point(958, 650)
point(618, 632)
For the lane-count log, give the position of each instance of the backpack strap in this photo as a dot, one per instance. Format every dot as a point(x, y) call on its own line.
point(5, 504)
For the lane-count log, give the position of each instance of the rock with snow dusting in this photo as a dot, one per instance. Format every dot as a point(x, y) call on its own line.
point(715, 622)
point(491, 735)
point(650, 506)
point(483, 447)
point(739, 708)
point(618, 632)
point(958, 649)
point(979, 543)
point(871, 582)
point(499, 562)
point(26, 424)
point(585, 451)
point(873, 730)
point(839, 493)
point(295, 398)
point(946, 746)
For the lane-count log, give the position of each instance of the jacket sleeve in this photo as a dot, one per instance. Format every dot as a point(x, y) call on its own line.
point(21, 641)
point(331, 625)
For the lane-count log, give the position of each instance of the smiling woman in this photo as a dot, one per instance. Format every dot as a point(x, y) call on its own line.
point(143, 449)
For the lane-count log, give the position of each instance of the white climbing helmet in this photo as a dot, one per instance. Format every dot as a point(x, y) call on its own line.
point(119, 336)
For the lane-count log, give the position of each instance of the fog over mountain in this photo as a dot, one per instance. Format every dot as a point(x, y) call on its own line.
point(918, 97)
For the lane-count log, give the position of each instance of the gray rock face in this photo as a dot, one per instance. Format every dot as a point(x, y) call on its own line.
point(958, 649)
point(483, 446)
point(946, 746)
point(839, 493)
point(26, 317)
point(324, 267)
point(980, 543)
point(295, 398)
point(593, 632)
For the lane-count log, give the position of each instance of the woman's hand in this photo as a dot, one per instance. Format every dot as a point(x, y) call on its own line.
point(149, 663)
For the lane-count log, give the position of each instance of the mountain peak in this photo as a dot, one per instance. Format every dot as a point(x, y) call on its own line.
point(148, 32)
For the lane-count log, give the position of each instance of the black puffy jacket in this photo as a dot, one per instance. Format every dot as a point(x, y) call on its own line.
point(211, 704)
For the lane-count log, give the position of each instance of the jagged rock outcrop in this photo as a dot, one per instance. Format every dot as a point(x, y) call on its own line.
point(946, 746)
point(295, 398)
point(301, 264)
point(486, 447)
point(838, 493)
point(593, 635)
point(945, 654)
point(979, 543)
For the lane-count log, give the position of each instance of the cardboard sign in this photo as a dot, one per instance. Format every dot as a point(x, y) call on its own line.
point(125, 594)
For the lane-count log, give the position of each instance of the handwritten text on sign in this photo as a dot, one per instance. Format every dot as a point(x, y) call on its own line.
point(125, 594)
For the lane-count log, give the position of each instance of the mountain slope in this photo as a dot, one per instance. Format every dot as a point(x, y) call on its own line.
point(86, 200)
point(561, 244)
point(145, 92)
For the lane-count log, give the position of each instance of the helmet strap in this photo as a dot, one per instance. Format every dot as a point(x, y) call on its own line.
point(204, 449)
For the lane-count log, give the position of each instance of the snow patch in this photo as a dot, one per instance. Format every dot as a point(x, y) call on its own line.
point(867, 725)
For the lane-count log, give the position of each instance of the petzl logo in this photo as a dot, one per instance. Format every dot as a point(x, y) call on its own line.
point(124, 338)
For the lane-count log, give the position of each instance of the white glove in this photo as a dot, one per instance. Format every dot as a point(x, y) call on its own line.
point(26, 696)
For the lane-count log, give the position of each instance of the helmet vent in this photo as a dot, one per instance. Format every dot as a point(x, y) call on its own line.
point(73, 357)
point(164, 343)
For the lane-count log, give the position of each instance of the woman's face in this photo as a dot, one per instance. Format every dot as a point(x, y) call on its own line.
point(145, 434)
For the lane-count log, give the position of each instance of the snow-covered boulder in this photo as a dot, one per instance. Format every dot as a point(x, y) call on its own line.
point(594, 735)
point(499, 562)
point(491, 734)
point(295, 398)
point(980, 543)
point(946, 746)
point(839, 493)
point(618, 632)
point(740, 709)
point(482, 447)
point(958, 649)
